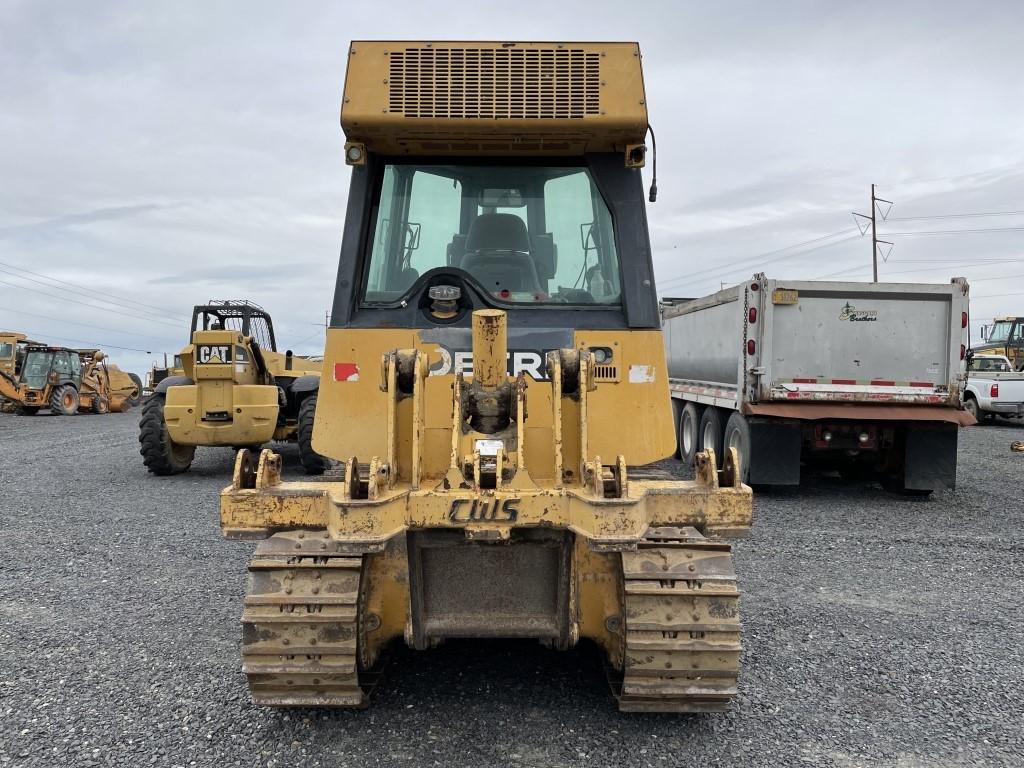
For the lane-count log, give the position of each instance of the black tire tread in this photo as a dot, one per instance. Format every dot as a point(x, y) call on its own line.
point(155, 444)
point(312, 462)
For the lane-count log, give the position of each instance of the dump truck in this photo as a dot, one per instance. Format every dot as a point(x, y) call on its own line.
point(235, 390)
point(863, 378)
point(67, 381)
point(494, 399)
point(1004, 337)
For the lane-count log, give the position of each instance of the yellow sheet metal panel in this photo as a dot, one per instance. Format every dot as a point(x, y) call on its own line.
point(430, 98)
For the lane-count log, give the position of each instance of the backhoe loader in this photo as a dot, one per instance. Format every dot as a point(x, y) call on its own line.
point(68, 381)
point(494, 399)
point(235, 389)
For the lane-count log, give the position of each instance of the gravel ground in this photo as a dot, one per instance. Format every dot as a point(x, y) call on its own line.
point(878, 631)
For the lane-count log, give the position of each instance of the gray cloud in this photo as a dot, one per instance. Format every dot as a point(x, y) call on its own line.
point(170, 153)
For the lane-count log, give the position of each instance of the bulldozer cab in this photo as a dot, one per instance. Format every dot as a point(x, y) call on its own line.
point(51, 366)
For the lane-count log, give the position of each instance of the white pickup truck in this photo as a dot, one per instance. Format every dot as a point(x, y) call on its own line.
point(993, 388)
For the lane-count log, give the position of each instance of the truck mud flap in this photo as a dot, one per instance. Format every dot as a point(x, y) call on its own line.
point(774, 452)
point(930, 457)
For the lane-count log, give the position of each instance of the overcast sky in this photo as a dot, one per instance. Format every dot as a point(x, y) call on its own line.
point(159, 155)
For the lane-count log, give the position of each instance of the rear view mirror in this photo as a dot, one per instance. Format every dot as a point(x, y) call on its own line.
point(501, 198)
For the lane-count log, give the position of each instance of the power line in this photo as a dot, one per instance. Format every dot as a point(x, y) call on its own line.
point(87, 343)
point(960, 231)
point(957, 215)
point(751, 260)
point(81, 290)
point(76, 323)
point(91, 306)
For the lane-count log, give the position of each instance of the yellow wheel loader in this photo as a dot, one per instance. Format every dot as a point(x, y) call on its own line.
point(495, 398)
point(235, 390)
point(68, 381)
point(12, 354)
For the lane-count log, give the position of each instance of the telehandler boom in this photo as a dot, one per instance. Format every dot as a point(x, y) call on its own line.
point(494, 397)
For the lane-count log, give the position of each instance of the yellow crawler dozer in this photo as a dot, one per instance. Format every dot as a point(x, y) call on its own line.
point(494, 399)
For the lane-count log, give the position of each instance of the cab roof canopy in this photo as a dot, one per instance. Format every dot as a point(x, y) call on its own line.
point(494, 98)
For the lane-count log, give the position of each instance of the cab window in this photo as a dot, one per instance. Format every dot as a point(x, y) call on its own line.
point(526, 234)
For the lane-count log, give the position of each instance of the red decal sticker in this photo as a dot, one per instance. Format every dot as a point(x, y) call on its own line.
point(346, 372)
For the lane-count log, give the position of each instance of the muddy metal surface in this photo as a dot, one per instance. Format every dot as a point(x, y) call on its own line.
point(878, 631)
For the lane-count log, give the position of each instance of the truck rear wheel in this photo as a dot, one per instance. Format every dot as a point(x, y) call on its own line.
point(689, 433)
point(312, 462)
point(711, 431)
point(971, 406)
point(737, 435)
point(160, 454)
point(677, 415)
point(64, 400)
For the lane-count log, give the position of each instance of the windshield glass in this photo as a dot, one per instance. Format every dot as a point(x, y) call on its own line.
point(6, 350)
point(990, 364)
point(528, 234)
point(35, 369)
point(1000, 331)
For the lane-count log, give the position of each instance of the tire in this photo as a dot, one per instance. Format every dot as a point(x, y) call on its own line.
point(312, 462)
point(159, 453)
point(28, 410)
point(711, 430)
point(677, 414)
point(100, 404)
point(689, 433)
point(138, 393)
point(64, 400)
point(971, 406)
point(737, 435)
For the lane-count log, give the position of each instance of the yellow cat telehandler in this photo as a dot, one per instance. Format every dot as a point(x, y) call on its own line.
point(235, 390)
point(494, 399)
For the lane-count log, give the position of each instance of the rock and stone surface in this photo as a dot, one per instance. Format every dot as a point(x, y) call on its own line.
point(878, 630)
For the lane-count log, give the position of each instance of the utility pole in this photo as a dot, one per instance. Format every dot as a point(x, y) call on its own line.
point(875, 200)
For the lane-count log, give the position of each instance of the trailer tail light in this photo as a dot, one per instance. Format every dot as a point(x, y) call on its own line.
point(994, 392)
point(754, 287)
point(751, 347)
point(752, 315)
point(963, 351)
point(963, 319)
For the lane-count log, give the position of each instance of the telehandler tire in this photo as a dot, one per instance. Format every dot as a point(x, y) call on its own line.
point(64, 400)
point(312, 462)
point(160, 454)
point(138, 394)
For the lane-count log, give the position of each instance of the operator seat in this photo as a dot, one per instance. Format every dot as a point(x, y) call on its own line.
point(498, 254)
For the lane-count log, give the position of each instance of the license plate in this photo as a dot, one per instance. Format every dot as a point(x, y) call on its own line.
point(784, 296)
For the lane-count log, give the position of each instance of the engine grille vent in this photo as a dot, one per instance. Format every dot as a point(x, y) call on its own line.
point(605, 373)
point(494, 83)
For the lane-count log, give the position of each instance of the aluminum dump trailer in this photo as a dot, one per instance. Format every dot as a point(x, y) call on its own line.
point(863, 378)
